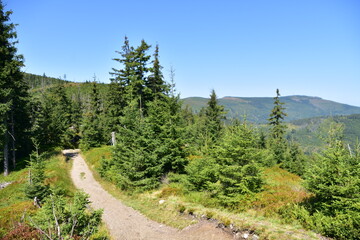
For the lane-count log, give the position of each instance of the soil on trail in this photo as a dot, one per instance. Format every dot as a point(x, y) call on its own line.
point(127, 224)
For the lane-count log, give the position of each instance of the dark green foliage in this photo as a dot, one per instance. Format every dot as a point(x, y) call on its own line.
point(277, 130)
point(334, 179)
point(157, 140)
point(92, 127)
point(40, 121)
point(155, 82)
point(295, 160)
point(135, 162)
point(238, 159)
point(59, 107)
point(37, 187)
point(133, 82)
point(214, 115)
point(147, 122)
point(232, 172)
point(202, 173)
point(167, 128)
point(14, 118)
point(147, 147)
point(59, 220)
point(55, 119)
point(116, 97)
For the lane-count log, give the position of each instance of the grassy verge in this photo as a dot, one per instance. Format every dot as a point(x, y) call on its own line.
point(14, 203)
point(58, 174)
point(281, 188)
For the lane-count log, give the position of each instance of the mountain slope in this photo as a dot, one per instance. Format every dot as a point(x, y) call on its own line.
point(311, 132)
point(257, 109)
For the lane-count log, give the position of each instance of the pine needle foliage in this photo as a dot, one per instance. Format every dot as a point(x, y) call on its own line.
point(277, 129)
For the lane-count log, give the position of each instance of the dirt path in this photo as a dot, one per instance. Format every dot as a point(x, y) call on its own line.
point(127, 224)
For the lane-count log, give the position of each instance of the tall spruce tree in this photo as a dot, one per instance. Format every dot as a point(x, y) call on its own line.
point(116, 97)
point(58, 111)
point(278, 128)
point(128, 83)
point(14, 120)
point(137, 88)
point(91, 129)
point(135, 161)
point(215, 114)
point(155, 83)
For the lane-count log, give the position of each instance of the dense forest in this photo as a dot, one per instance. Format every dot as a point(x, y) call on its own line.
point(157, 140)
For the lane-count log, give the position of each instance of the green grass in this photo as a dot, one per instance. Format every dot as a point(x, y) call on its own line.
point(13, 193)
point(58, 174)
point(281, 188)
point(13, 201)
point(93, 157)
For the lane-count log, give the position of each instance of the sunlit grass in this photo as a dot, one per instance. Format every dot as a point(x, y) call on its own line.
point(13, 202)
point(58, 174)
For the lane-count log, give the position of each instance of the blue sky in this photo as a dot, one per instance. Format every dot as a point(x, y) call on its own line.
point(245, 48)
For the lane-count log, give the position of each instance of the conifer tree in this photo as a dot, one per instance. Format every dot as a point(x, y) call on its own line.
point(54, 114)
point(135, 161)
point(335, 176)
point(238, 157)
point(148, 145)
point(155, 82)
point(14, 119)
point(37, 187)
point(215, 114)
point(137, 88)
point(76, 110)
point(129, 82)
point(277, 131)
point(40, 121)
point(116, 98)
point(164, 118)
point(91, 129)
point(334, 179)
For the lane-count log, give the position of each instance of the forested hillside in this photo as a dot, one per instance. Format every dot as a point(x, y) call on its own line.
point(256, 109)
point(41, 82)
point(311, 132)
point(159, 147)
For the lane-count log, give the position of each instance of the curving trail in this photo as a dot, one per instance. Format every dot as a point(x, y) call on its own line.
point(127, 224)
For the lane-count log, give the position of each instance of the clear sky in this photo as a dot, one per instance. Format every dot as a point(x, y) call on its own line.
point(245, 48)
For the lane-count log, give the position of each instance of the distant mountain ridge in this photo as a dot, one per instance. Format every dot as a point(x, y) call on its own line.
point(257, 109)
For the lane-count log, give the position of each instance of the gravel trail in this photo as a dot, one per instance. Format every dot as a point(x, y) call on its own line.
point(124, 223)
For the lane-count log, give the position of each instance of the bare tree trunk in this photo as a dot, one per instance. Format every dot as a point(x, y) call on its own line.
point(13, 140)
point(6, 154)
point(113, 138)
